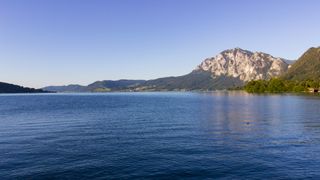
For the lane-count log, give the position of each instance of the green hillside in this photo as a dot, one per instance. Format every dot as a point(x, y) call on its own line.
point(307, 67)
point(196, 80)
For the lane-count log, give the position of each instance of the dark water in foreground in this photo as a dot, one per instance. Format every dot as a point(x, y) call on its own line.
point(159, 136)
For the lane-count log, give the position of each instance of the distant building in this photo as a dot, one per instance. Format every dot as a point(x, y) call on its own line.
point(313, 90)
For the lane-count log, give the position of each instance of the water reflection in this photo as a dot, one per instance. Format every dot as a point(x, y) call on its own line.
point(245, 114)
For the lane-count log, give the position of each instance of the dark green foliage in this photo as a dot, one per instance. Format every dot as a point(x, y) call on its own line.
point(10, 88)
point(298, 88)
point(276, 85)
point(258, 86)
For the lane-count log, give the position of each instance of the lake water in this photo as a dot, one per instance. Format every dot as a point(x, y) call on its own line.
point(230, 135)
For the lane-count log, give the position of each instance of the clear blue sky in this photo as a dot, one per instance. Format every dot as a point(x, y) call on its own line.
point(55, 42)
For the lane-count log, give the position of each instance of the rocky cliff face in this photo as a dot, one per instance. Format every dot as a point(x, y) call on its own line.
point(245, 65)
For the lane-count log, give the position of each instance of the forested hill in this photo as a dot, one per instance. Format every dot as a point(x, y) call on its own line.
point(11, 88)
point(307, 67)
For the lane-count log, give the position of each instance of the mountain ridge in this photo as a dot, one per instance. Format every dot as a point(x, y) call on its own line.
point(97, 86)
point(12, 88)
point(229, 69)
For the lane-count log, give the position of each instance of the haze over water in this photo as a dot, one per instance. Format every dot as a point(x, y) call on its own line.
point(159, 135)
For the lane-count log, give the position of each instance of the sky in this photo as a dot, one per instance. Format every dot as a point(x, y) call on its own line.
point(58, 42)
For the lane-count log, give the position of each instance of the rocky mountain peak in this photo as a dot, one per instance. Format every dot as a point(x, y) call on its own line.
point(244, 64)
point(236, 51)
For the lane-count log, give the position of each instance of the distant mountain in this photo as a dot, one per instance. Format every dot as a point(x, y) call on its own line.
point(68, 88)
point(108, 85)
point(307, 67)
point(290, 62)
point(230, 68)
point(98, 86)
point(11, 88)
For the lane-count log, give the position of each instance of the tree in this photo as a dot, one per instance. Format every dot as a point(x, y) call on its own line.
point(276, 85)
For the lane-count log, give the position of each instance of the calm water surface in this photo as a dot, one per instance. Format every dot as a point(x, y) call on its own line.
point(229, 135)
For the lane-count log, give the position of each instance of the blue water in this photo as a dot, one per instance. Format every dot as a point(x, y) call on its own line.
point(159, 136)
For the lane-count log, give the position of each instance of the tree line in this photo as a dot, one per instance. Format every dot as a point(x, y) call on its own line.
point(277, 85)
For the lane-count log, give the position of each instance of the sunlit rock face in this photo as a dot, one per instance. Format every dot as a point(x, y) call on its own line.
point(245, 65)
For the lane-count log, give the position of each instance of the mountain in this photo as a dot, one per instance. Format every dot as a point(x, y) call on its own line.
point(196, 80)
point(108, 85)
point(229, 69)
point(11, 88)
point(68, 88)
point(98, 86)
point(307, 67)
point(290, 62)
point(245, 65)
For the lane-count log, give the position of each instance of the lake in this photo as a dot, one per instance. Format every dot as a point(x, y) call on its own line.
point(165, 135)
